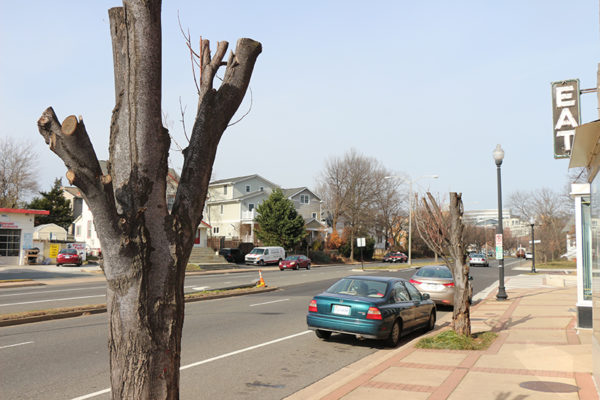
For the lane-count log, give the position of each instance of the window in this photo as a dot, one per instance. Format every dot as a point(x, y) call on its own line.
point(225, 189)
point(247, 188)
point(250, 207)
point(400, 293)
point(221, 208)
point(89, 229)
point(314, 215)
point(78, 230)
point(414, 293)
point(262, 189)
point(10, 242)
point(304, 199)
point(215, 229)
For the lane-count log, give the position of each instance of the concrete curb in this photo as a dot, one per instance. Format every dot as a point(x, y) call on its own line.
point(101, 308)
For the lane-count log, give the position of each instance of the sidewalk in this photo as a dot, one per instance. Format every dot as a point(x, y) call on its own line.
point(539, 354)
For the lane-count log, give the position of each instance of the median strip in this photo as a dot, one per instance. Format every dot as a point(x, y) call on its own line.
point(70, 312)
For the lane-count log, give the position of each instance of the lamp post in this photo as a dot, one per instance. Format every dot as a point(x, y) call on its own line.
point(498, 157)
point(410, 196)
point(532, 223)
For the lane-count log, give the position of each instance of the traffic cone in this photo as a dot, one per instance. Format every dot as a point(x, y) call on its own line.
point(261, 281)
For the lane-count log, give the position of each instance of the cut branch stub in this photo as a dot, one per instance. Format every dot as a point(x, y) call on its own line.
point(69, 125)
point(71, 176)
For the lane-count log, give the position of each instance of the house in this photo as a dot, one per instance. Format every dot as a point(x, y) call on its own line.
point(49, 232)
point(16, 233)
point(231, 204)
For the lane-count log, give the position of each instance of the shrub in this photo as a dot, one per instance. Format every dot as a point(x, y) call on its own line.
point(319, 257)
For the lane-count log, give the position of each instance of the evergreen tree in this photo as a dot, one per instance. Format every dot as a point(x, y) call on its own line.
point(56, 203)
point(279, 222)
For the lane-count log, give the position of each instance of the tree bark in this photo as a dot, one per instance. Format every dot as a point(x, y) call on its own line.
point(145, 248)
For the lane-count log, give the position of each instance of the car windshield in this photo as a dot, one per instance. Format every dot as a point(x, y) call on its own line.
point(68, 251)
point(477, 255)
point(359, 287)
point(292, 258)
point(434, 272)
point(257, 251)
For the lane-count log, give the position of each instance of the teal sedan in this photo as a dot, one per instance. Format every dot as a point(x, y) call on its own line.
point(371, 307)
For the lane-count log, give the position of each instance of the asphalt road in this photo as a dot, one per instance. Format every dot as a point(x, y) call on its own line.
point(247, 347)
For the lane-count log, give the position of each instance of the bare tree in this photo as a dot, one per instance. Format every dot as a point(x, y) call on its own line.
point(444, 233)
point(17, 172)
point(551, 212)
point(391, 214)
point(349, 185)
point(145, 248)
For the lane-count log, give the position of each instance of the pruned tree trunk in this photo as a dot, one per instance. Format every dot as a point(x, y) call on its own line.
point(145, 248)
point(461, 316)
point(444, 235)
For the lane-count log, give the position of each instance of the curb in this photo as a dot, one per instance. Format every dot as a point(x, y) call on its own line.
point(101, 308)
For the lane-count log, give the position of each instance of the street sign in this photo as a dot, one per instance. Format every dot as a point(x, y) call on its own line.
point(361, 242)
point(565, 115)
point(499, 250)
point(535, 241)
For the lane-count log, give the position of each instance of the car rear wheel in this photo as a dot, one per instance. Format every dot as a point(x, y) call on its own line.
point(395, 333)
point(323, 334)
point(431, 323)
point(58, 265)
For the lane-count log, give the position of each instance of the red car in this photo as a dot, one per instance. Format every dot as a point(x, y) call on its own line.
point(294, 262)
point(395, 257)
point(68, 256)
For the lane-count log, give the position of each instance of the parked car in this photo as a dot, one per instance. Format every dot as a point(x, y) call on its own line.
point(478, 259)
point(68, 256)
point(371, 307)
point(395, 257)
point(294, 262)
point(528, 256)
point(232, 255)
point(438, 282)
point(265, 255)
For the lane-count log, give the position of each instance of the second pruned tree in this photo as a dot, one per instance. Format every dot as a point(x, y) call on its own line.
point(444, 234)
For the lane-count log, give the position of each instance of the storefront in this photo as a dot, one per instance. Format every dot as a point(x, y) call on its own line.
point(586, 153)
point(16, 234)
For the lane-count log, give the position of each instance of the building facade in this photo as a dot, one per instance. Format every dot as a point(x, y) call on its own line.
point(16, 234)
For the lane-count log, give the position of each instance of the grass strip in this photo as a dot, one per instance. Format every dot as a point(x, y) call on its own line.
point(450, 340)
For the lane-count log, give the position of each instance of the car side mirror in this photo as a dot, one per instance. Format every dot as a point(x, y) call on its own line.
point(425, 296)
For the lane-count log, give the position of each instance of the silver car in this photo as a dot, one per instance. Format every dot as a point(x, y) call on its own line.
point(437, 281)
point(478, 259)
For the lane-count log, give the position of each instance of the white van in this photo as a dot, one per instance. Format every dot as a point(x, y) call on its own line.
point(265, 255)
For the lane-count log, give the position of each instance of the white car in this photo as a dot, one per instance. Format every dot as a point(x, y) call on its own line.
point(528, 256)
point(478, 259)
point(265, 255)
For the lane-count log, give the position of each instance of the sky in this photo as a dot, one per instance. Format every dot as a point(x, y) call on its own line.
point(426, 87)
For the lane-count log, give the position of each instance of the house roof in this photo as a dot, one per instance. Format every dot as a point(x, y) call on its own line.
point(23, 211)
point(51, 226)
point(73, 190)
point(294, 191)
point(241, 179)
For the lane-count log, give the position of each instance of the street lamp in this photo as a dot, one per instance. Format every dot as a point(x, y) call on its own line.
point(410, 196)
point(532, 223)
point(498, 157)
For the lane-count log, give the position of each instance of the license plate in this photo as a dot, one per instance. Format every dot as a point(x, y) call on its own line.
point(340, 310)
point(432, 287)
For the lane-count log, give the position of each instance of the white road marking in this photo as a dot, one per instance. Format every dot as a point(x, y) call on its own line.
point(52, 291)
point(15, 345)
point(200, 288)
point(268, 302)
point(233, 353)
point(89, 396)
point(45, 301)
